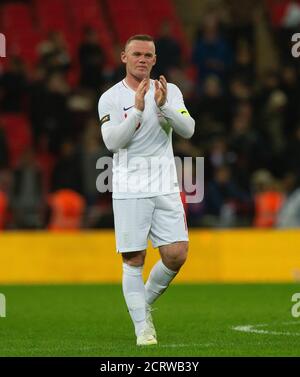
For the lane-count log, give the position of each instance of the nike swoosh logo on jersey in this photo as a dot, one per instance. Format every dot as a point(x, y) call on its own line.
point(127, 108)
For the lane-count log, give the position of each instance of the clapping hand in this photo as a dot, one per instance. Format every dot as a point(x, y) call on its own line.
point(160, 94)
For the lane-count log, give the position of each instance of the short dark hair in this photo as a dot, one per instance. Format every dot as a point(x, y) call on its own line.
point(139, 37)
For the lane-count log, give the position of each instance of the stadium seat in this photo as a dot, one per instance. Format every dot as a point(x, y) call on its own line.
point(16, 17)
point(3, 208)
point(52, 15)
point(130, 18)
point(18, 25)
point(158, 12)
point(277, 11)
point(90, 15)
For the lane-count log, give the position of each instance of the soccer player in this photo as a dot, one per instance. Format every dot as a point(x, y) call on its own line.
point(137, 117)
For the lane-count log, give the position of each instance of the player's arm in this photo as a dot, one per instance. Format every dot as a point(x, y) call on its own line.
point(174, 110)
point(116, 135)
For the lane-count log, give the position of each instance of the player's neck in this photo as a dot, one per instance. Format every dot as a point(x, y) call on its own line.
point(132, 81)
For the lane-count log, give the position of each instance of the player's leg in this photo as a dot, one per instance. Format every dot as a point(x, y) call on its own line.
point(134, 289)
point(132, 224)
point(134, 294)
point(168, 233)
point(164, 271)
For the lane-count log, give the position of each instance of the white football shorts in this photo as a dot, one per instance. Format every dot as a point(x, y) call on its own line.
point(160, 218)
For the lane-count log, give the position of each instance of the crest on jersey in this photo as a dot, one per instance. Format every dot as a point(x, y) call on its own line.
point(104, 119)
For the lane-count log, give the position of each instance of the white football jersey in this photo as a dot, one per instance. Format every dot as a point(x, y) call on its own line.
point(145, 166)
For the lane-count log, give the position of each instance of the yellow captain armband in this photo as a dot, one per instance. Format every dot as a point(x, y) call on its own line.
point(183, 112)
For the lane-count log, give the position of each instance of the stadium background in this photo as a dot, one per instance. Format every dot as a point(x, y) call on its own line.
point(240, 82)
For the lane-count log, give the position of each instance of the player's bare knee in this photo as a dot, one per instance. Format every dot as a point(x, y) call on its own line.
point(175, 260)
point(182, 252)
point(135, 258)
point(174, 255)
point(179, 260)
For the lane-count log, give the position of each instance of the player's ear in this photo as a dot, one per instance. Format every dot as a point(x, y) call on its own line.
point(123, 57)
point(154, 60)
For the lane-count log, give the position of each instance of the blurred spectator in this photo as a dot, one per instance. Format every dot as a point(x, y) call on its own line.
point(218, 155)
point(46, 161)
point(270, 82)
point(245, 143)
point(223, 198)
point(244, 64)
point(180, 78)
point(211, 52)
point(92, 59)
point(119, 72)
point(67, 173)
point(291, 89)
point(267, 199)
point(239, 91)
point(289, 215)
point(53, 52)
point(213, 104)
point(274, 121)
point(37, 92)
point(4, 156)
point(26, 196)
point(92, 149)
point(52, 115)
point(241, 14)
point(99, 206)
point(67, 209)
point(168, 51)
point(292, 152)
point(13, 85)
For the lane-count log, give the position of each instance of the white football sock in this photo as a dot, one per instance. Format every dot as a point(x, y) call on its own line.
point(159, 279)
point(134, 293)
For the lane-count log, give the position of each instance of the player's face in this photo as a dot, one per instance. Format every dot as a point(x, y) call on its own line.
point(139, 58)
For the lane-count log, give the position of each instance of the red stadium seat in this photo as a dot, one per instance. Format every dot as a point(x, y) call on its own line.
point(18, 26)
point(24, 45)
point(16, 17)
point(161, 11)
point(3, 209)
point(90, 15)
point(129, 18)
point(52, 15)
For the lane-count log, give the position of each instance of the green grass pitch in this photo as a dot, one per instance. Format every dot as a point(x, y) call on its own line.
point(191, 320)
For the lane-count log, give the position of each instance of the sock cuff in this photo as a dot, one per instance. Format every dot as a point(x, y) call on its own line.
point(167, 270)
point(132, 270)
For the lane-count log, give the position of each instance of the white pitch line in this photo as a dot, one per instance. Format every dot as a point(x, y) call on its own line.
point(253, 329)
point(99, 348)
point(186, 345)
